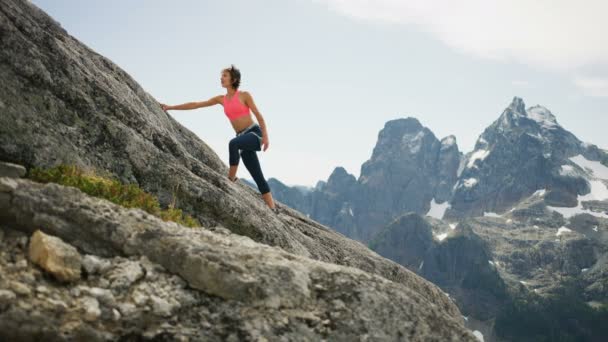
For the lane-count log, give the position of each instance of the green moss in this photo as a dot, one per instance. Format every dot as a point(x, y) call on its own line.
point(108, 187)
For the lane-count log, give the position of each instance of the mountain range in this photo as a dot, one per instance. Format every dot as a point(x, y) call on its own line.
point(523, 214)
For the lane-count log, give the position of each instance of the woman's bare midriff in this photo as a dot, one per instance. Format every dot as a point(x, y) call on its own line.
point(241, 122)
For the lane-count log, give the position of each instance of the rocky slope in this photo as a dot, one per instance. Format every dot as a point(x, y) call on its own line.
point(149, 278)
point(61, 102)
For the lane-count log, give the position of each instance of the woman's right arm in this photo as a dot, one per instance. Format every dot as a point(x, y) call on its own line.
point(196, 104)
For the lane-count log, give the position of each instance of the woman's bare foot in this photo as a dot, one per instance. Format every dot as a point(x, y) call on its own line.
point(232, 173)
point(269, 201)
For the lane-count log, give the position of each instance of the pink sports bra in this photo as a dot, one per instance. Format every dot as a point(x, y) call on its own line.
point(233, 108)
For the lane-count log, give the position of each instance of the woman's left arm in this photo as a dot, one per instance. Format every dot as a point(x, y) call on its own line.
point(251, 104)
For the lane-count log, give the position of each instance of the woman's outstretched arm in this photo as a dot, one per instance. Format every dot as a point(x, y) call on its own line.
point(251, 104)
point(195, 104)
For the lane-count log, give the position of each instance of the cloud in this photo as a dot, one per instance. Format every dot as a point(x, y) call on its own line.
point(520, 83)
point(592, 86)
point(555, 35)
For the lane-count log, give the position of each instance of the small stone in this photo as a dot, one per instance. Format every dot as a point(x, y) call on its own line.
point(93, 264)
point(11, 170)
point(58, 306)
point(116, 314)
point(22, 242)
point(139, 298)
point(103, 295)
point(75, 291)
point(7, 184)
point(42, 289)
point(151, 268)
point(27, 306)
point(21, 264)
point(6, 298)
point(91, 308)
point(20, 288)
point(55, 256)
point(127, 309)
point(160, 306)
point(28, 278)
point(104, 283)
point(338, 304)
point(125, 274)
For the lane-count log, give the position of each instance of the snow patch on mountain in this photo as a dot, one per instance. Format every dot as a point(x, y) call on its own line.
point(596, 172)
point(491, 214)
point(413, 142)
point(437, 209)
point(542, 116)
point(598, 192)
point(448, 141)
point(568, 171)
point(596, 169)
point(441, 236)
point(477, 155)
point(470, 182)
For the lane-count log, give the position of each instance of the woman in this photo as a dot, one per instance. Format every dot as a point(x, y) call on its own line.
point(250, 137)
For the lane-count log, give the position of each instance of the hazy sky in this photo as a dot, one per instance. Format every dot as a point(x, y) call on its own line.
point(327, 74)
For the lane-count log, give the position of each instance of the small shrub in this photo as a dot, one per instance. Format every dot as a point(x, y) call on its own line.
point(107, 186)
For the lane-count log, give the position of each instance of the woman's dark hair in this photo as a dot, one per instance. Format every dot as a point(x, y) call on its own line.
point(235, 75)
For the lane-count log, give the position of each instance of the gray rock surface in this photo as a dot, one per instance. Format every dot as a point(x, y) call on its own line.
point(64, 103)
point(231, 284)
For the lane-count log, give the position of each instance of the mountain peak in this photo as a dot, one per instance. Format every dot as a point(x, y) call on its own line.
point(408, 123)
point(448, 141)
point(517, 105)
point(536, 117)
point(542, 116)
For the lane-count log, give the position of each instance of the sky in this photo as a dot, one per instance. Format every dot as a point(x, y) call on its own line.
point(326, 75)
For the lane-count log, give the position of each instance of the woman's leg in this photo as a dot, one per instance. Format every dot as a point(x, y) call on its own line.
point(250, 159)
point(245, 141)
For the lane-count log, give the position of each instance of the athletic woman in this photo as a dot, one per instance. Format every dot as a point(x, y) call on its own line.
point(250, 137)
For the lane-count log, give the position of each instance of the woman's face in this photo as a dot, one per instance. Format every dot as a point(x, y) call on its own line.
point(225, 80)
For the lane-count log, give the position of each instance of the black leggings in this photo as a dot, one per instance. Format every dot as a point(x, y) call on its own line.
point(249, 141)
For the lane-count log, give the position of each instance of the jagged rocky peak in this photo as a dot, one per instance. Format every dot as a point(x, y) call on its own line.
point(339, 173)
point(528, 146)
point(535, 117)
point(449, 142)
point(340, 179)
point(320, 185)
point(404, 136)
point(511, 115)
point(542, 116)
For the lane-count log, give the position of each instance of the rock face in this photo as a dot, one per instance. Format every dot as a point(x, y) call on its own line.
point(133, 260)
point(63, 103)
point(403, 174)
point(456, 260)
point(409, 169)
point(521, 152)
